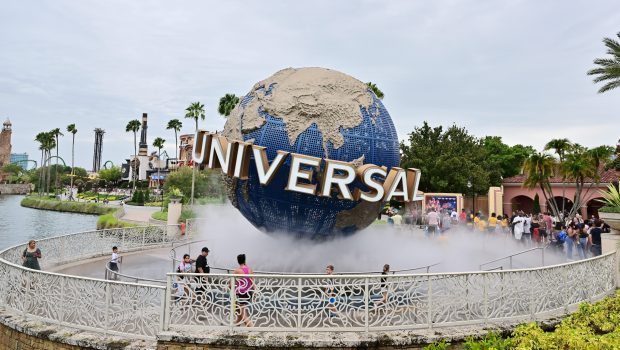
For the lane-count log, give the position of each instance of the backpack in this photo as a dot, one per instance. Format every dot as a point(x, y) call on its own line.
point(562, 236)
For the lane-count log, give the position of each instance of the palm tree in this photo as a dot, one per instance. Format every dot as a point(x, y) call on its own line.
point(71, 128)
point(47, 143)
point(376, 90)
point(134, 126)
point(195, 110)
point(539, 168)
point(609, 68)
point(56, 133)
point(560, 146)
point(227, 104)
point(159, 144)
point(175, 125)
point(40, 138)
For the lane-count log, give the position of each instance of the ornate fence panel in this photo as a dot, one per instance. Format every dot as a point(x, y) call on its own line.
point(98, 305)
point(83, 245)
point(370, 302)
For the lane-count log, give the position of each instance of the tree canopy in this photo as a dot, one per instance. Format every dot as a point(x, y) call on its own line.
point(608, 70)
point(451, 158)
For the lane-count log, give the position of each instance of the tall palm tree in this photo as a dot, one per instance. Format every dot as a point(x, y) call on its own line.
point(608, 68)
point(175, 125)
point(539, 168)
point(159, 144)
point(56, 133)
point(195, 110)
point(375, 89)
point(134, 126)
point(227, 104)
point(47, 144)
point(560, 146)
point(71, 128)
point(40, 138)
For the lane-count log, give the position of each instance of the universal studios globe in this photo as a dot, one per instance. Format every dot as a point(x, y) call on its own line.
point(316, 112)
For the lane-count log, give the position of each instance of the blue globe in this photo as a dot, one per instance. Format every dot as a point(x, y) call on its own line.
point(316, 112)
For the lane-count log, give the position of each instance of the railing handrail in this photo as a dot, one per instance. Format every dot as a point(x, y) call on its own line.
point(511, 255)
point(110, 272)
point(435, 274)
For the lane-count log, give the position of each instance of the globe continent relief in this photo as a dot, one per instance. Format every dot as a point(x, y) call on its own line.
point(317, 112)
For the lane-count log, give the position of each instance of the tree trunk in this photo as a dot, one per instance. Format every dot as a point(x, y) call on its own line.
point(176, 146)
point(135, 163)
point(56, 172)
point(72, 165)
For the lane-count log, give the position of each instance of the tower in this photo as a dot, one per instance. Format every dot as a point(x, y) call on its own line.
point(144, 147)
point(5, 143)
point(97, 152)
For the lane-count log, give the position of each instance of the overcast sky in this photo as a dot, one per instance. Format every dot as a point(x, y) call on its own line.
point(516, 69)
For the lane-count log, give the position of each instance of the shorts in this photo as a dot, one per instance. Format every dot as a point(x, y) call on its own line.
point(114, 266)
point(432, 228)
point(244, 298)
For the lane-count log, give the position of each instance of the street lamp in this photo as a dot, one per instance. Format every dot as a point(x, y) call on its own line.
point(470, 185)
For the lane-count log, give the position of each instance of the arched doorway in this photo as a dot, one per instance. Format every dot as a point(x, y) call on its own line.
point(593, 206)
point(568, 204)
point(522, 202)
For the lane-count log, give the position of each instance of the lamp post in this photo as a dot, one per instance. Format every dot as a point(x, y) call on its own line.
point(470, 185)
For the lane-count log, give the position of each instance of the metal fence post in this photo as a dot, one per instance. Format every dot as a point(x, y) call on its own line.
point(165, 317)
point(61, 311)
point(26, 292)
point(430, 303)
point(232, 303)
point(485, 297)
point(543, 256)
point(565, 287)
point(511, 262)
point(108, 297)
point(366, 297)
point(299, 305)
point(143, 236)
point(531, 301)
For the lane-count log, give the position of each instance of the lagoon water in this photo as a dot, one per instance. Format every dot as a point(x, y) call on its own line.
point(19, 224)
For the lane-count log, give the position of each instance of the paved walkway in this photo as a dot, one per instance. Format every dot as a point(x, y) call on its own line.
point(138, 214)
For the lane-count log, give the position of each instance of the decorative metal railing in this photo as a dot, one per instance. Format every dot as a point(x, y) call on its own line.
point(109, 307)
point(296, 303)
point(83, 245)
point(371, 303)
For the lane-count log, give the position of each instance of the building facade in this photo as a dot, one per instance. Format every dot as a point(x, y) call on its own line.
point(518, 197)
point(5, 143)
point(20, 159)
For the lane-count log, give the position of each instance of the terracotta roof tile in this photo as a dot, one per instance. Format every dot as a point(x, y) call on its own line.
point(607, 176)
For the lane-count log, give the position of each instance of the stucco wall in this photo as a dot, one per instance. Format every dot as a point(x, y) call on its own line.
point(15, 188)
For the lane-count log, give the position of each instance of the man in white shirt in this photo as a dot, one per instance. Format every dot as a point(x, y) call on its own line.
point(432, 218)
point(517, 223)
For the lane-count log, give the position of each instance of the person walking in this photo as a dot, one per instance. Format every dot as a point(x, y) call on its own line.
point(31, 256)
point(517, 225)
point(244, 288)
point(583, 237)
point(595, 236)
point(114, 261)
point(384, 286)
point(202, 265)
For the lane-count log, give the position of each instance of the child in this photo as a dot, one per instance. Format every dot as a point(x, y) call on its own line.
point(116, 259)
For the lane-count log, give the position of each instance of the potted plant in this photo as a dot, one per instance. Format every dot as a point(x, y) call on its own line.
point(175, 195)
point(611, 211)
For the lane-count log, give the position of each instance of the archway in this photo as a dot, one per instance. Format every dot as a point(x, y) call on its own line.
point(522, 202)
point(568, 204)
point(593, 206)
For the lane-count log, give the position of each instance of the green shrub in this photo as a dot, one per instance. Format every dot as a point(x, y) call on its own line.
point(109, 221)
point(160, 215)
point(490, 341)
point(66, 206)
point(609, 210)
point(438, 345)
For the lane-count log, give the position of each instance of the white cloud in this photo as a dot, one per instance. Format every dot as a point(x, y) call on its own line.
point(514, 69)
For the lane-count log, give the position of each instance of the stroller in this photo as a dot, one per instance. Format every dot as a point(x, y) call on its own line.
point(558, 243)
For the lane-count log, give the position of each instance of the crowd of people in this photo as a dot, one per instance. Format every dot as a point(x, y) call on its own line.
point(578, 237)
